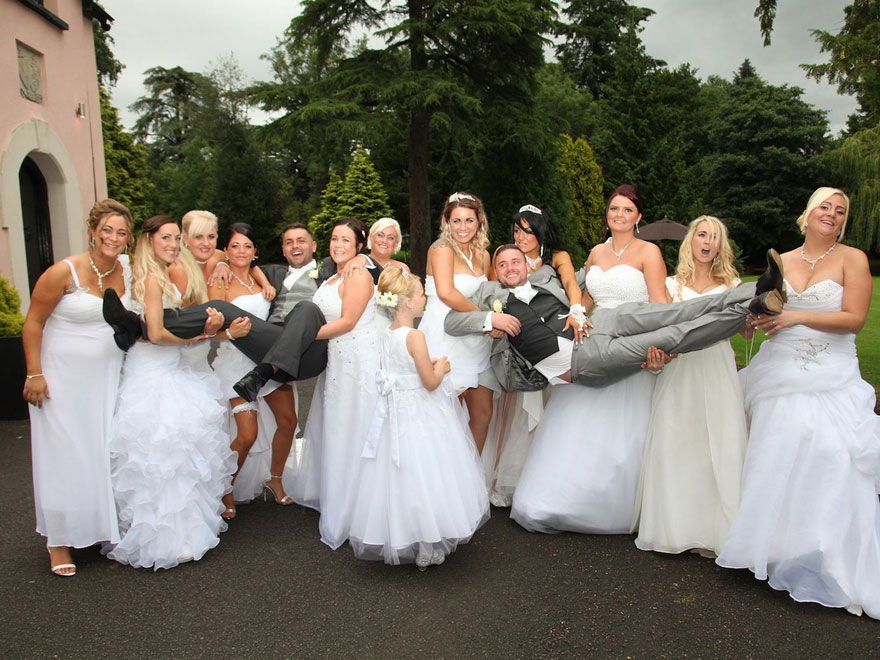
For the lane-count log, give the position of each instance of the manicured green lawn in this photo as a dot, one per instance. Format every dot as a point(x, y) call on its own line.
point(867, 341)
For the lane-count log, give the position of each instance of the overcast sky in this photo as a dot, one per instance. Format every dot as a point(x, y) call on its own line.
point(714, 36)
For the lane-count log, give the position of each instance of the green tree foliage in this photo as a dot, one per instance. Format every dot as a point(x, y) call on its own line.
point(11, 319)
point(442, 61)
point(856, 163)
point(583, 184)
point(593, 37)
point(765, 140)
point(108, 66)
point(854, 64)
point(331, 201)
point(125, 161)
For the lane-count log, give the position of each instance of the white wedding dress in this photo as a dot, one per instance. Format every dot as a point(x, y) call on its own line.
point(73, 496)
point(468, 355)
point(328, 473)
point(170, 458)
point(809, 519)
point(421, 487)
point(690, 484)
point(582, 472)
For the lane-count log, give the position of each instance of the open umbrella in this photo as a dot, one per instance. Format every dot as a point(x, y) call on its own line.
point(663, 229)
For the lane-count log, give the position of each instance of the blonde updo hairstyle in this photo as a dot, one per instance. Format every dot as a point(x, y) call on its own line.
point(146, 263)
point(379, 225)
point(99, 214)
point(722, 268)
point(481, 239)
point(819, 196)
point(397, 281)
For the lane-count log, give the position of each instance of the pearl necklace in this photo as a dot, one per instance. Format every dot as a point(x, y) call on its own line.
point(101, 275)
point(815, 261)
point(622, 250)
point(240, 281)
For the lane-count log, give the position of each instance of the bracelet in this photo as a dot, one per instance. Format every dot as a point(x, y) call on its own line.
point(222, 263)
point(656, 372)
point(29, 376)
point(229, 334)
point(210, 336)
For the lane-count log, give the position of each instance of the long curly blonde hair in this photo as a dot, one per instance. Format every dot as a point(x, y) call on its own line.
point(481, 239)
point(145, 263)
point(722, 268)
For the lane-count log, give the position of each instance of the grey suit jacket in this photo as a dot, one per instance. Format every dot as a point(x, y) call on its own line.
point(464, 323)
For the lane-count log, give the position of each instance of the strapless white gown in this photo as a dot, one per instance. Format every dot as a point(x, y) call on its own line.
point(328, 472)
point(809, 519)
point(468, 355)
point(583, 469)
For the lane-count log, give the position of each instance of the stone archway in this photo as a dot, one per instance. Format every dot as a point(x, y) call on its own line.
point(37, 141)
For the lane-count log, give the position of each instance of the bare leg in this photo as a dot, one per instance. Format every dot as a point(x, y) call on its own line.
point(479, 404)
point(245, 436)
point(282, 403)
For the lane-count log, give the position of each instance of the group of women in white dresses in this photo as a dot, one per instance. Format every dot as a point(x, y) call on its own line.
point(774, 469)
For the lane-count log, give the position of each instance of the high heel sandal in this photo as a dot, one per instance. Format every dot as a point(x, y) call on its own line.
point(229, 512)
point(287, 500)
point(57, 568)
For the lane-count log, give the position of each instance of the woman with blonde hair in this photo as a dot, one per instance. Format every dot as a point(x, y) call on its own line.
point(809, 518)
point(690, 483)
point(383, 241)
point(72, 379)
point(457, 264)
point(170, 456)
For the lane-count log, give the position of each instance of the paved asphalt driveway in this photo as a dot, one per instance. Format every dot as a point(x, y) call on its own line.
point(271, 589)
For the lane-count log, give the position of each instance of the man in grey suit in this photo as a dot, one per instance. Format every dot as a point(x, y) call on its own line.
point(532, 314)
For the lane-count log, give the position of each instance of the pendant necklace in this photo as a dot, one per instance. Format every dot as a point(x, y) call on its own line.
point(815, 261)
point(101, 275)
point(469, 260)
point(240, 281)
point(622, 250)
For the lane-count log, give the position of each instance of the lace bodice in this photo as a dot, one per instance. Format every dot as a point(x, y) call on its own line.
point(617, 285)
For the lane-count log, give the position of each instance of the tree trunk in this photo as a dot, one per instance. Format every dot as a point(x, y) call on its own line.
point(419, 203)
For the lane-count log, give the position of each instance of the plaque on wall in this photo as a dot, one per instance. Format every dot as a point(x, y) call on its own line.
point(30, 74)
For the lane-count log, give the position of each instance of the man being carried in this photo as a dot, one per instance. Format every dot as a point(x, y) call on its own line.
point(531, 315)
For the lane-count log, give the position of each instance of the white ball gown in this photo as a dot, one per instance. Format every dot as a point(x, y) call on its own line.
point(468, 355)
point(326, 478)
point(809, 520)
point(421, 487)
point(171, 459)
point(690, 484)
point(73, 496)
point(582, 472)
point(230, 365)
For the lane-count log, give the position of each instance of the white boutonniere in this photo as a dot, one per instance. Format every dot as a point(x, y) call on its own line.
point(314, 273)
point(498, 305)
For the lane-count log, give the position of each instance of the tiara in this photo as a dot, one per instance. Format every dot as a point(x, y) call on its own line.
point(459, 196)
point(530, 208)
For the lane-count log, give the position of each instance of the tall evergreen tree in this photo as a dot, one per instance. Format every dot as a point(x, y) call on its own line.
point(331, 202)
point(363, 196)
point(584, 188)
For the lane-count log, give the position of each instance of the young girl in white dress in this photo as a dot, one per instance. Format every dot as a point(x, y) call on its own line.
point(421, 490)
point(689, 488)
point(169, 449)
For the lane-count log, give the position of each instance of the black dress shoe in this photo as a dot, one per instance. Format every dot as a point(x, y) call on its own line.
point(773, 277)
point(126, 325)
point(249, 386)
point(769, 302)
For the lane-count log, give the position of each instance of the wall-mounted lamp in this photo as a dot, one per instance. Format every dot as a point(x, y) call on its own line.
point(80, 110)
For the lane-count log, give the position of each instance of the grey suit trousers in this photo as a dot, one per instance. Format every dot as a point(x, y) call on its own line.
point(620, 338)
point(291, 347)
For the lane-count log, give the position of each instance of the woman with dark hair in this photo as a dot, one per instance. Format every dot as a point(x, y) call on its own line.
point(457, 264)
point(73, 371)
point(169, 451)
point(250, 420)
point(583, 469)
point(809, 519)
point(345, 396)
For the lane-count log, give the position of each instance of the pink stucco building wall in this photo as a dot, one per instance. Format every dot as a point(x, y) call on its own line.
point(67, 149)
